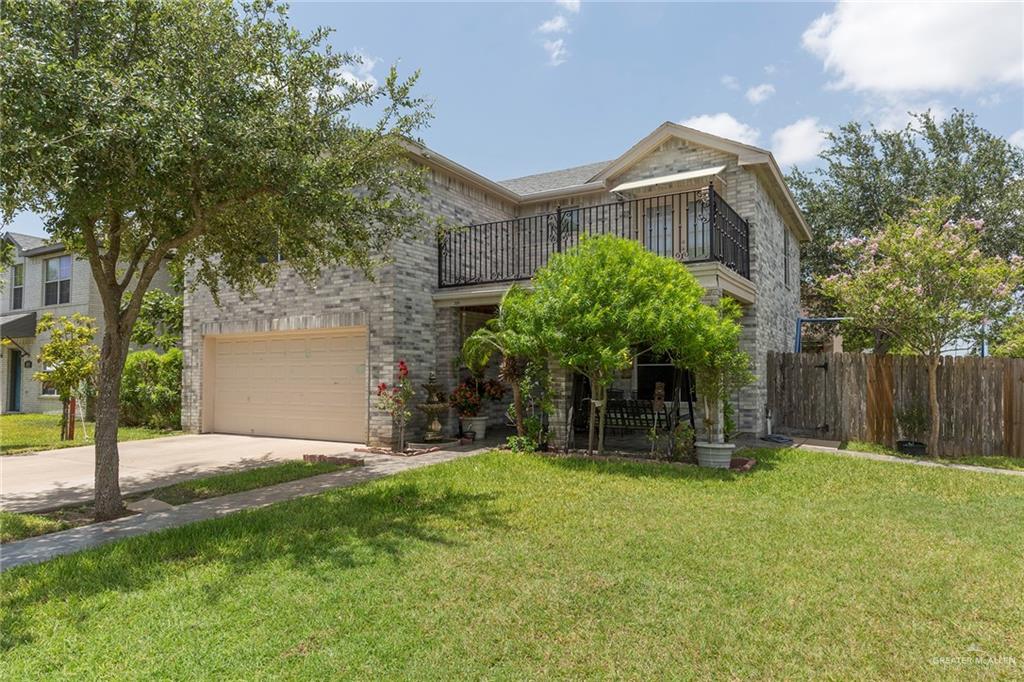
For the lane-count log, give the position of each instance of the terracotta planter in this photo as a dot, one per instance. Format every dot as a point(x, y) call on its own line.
point(714, 455)
point(477, 425)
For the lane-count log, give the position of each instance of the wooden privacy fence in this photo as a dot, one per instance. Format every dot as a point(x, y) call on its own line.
point(858, 396)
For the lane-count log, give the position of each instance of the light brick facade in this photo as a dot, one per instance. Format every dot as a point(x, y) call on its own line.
point(406, 320)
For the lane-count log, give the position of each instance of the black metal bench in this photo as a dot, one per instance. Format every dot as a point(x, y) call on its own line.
point(629, 415)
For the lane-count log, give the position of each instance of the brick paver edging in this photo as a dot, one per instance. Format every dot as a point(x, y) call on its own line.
point(41, 548)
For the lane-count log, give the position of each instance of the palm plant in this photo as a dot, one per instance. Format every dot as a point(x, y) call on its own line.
point(499, 335)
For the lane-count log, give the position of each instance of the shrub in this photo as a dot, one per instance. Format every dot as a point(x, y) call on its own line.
point(151, 389)
point(521, 444)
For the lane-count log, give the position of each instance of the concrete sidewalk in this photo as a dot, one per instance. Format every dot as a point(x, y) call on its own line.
point(817, 447)
point(38, 549)
point(57, 478)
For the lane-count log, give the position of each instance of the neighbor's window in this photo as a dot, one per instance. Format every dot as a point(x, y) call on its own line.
point(18, 286)
point(57, 276)
point(785, 255)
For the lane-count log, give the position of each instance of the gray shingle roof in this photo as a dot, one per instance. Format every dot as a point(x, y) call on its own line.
point(26, 242)
point(567, 177)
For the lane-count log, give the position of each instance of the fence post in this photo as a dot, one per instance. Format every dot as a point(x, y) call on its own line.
point(558, 228)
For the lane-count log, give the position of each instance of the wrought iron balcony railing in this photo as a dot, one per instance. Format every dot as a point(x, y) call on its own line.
point(692, 227)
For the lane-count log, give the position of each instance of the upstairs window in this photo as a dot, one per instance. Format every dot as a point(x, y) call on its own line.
point(57, 278)
point(18, 287)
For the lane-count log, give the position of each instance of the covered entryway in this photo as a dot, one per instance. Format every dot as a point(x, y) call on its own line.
point(309, 384)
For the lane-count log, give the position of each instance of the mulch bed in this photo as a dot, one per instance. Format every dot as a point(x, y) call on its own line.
point(388, 451)
point(740, 465)
point(333, 459)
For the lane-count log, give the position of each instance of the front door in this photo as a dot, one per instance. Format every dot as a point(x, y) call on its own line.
point(14, 385)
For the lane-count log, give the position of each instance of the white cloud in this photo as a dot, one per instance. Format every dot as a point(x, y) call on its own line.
point(556, 24)
point(569, 5)
point(723, 125)
point(1017, 138)
point(361, 72)
point(557, 54)
point(992, 100)
point(798, 142)
point(731, 82)
point(893, 113)
point(760, 93)
point(769, 69)
point(912, 47)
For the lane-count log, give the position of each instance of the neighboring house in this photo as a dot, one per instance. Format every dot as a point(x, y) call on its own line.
point(291, 361)
point(45, 278)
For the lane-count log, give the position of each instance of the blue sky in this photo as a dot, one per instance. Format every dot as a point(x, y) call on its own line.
point(525, 88)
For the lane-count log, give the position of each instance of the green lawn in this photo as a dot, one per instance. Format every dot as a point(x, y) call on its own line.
point(518, 566)
point(30, 432)
point(994, 461)
point(19, 526)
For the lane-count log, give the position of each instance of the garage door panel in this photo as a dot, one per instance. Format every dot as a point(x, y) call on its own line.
point(307, 386)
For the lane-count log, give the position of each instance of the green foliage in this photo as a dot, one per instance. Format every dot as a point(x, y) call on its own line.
point(871, 175)
point(160, 322)
point(521, 444)
point(720, 367)
point(6, 257)
point(923, 280)
point(1010, 343)
point(396, 399)
point(151, 389)
point(913, 421)
point(683, 438)
point(69, 359)
point(596, 306)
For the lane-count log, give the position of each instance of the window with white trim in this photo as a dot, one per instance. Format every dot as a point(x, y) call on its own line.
point(57, 280)
point(18, 287)
point(48, 389)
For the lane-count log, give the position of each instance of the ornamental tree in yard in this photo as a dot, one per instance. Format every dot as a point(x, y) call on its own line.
point(924, 282)
point(720, 366)
point(599, 305)
point(68, 359)
point(209, 134)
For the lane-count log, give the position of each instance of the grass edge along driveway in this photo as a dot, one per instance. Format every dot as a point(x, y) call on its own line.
point(21, 434)
point(506, 565)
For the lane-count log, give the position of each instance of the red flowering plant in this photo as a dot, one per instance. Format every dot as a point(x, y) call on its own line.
point(465, 400)
point(395, 400)
point(493, 389)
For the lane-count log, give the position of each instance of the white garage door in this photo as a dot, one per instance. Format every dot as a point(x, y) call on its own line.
point(299, 385)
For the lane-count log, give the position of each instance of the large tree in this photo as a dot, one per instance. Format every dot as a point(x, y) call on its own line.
point(596, 307)
point(212, 134)
point(924, 281)
point(869, 175)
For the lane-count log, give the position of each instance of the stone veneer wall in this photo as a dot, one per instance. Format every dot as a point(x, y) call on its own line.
point(397, 308)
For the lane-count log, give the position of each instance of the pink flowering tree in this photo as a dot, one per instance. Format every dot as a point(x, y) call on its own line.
point(924, 282)
point(395, 400)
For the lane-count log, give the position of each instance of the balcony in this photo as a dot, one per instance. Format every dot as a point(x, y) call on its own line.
point(692, 227)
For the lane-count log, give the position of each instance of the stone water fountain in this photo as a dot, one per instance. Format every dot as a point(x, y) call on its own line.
point(436, 404)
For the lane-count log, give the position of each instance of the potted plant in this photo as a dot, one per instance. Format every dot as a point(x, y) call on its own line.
point(913, 423)
point(465, 400)
point(720, 368)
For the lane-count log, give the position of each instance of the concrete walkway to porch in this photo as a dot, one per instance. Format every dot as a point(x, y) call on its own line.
point(44, 547)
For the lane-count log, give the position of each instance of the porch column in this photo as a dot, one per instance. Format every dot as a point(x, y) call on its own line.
point(561, 389)
point(448, 330)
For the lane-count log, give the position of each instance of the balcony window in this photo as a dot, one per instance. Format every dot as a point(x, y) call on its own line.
point(660, 231)
point(18, 287)
point(57, 280)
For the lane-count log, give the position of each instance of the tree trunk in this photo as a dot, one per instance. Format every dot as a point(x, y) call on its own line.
point(108, 408)
point(600, 429)
point(933, 405)
point(517, 401)
point(882, 343)
point(592, 422)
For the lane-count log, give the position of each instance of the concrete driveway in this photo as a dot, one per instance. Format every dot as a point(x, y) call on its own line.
point(55, 478)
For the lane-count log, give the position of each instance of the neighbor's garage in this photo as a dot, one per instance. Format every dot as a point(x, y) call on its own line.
point(289, 384)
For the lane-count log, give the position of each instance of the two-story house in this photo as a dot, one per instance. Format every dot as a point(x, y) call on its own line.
point(295, 361)
point(45, 278)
